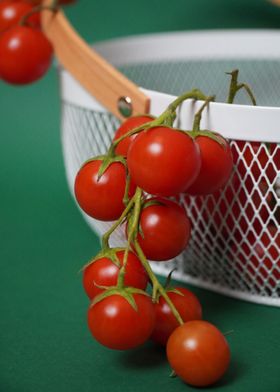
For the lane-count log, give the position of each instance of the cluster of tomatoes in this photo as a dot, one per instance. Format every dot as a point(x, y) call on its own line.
point(25, 52)
point(148, 163)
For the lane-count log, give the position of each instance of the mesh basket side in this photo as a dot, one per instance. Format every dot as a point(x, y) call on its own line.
point(235, 244)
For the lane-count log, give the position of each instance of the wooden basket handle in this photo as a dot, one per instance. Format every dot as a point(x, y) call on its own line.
point(109, 86)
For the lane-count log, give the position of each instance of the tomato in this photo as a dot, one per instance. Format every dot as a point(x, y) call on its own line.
point(114, 323)
point(163, 161)
point(198, 353)
point(103, 272)
point(126, 126)
point(164, 229)
point(188, 307)
point(258, 259)
point(11, 13)
point(101, 199)
point(216, 166)
point(25, 55)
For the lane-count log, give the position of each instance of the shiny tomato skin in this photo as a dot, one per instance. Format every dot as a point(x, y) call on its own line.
point(25, 55)
point(114, 323)
point(125, 127)
point(188, 307)
point(165, 230)
point(11, 13)
point(198, 353)
point(216, 166)
point(163, 161)
point(103, 272)
point(101, 199)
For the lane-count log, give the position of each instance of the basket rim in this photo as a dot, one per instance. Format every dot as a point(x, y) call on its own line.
point(240, 122)
point(221, 43)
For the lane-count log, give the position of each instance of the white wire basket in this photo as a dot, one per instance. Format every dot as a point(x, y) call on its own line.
point(235, 245)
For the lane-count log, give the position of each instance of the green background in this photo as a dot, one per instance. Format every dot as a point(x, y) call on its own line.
point(44, 341)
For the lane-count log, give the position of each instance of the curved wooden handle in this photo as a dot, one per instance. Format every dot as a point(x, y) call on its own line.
point(92, 71)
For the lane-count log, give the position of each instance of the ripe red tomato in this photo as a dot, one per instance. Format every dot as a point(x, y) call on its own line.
point(25, 55)
point(163, 161)
point(101, 199)
point(188, 307)
point(216, 166)
point(198, 353)
point(165, 230)
point(114, 323)
point(11, 13)
point(103, 272)
point(126, 126)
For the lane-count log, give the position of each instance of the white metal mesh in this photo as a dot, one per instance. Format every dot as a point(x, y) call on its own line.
point(233, 249)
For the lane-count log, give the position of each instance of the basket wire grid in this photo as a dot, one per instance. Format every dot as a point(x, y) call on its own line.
point(232, 249)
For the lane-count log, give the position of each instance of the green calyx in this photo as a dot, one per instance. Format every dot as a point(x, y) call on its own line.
point(107, 161)
point(125, 292)
point(108, 253)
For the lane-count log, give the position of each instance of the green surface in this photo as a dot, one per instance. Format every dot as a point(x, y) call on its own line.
point(44, 342)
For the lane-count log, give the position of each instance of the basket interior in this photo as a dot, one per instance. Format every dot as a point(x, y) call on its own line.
point(175, 77)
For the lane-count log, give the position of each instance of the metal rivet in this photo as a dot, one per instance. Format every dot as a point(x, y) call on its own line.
point(125, 106)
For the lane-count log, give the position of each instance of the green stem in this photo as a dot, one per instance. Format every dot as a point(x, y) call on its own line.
point(166, 118)
point(53, 8)
point(126, 192)
point(197, 117)
point(131, 233)
point(157, 287)
point(235, 87)
point(106, 236)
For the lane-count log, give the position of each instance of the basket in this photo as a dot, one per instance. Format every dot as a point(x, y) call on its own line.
point(235, 245)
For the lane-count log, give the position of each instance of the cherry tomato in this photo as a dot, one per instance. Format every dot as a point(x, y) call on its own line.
point(103, 272)
point(198, 353)
point(126, 126)
point(25, 55)
point(101, 199)
point(216, 166)
point(11, 13)
point(164, 229)
point(187, 305)
point(114, 323)
point(163, 161)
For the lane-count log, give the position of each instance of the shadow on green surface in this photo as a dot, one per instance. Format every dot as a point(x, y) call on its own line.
point(235, 373)
point(146, 356)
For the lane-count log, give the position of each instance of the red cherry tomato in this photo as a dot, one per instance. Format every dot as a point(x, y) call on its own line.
point(114, 323)
point(101, 199)
point(126, 126)
point(188, 307)
point(25, 55)
point(216, 166)
point(11, 13)
point(165, 230)
point(103, 272)
point(198, 353)
point(163, 161)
